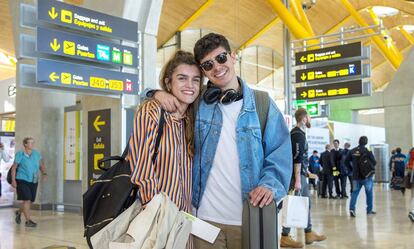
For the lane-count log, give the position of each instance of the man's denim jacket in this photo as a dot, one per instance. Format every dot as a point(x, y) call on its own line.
point(263, 161)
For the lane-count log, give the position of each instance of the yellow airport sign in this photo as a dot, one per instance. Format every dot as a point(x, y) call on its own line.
point(329, 73)
point(334, 90)
point(329, 54)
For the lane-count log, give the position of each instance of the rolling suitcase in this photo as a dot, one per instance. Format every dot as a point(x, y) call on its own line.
point(259, 228)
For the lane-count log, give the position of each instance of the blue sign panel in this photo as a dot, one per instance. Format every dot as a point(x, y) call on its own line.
point(86, 20)
point(69, 75)
point(55, 42)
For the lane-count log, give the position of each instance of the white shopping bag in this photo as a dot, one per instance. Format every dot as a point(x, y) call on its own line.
point(295, 211)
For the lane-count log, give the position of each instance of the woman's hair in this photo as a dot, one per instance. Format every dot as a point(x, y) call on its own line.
point(182, 57)
point(26, 140)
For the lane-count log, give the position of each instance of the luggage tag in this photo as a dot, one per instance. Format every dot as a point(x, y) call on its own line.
point(202, 229)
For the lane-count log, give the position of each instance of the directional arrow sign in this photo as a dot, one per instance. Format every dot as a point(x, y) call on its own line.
point(99, 141)
point(52, 13)
point(53, 77)
point(80, 78)
point(85, 48)
point(86, 20)
point(303, 77)
point(335, 90)
point(304, 94)
point(311, 108)
point(55, 45)
point(97, 123)
point(329, 73)
point(329, 54)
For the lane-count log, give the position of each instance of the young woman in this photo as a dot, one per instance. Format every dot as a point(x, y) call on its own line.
point(172, 171)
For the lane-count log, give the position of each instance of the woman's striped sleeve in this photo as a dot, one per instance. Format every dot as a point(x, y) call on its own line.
point(141, 149)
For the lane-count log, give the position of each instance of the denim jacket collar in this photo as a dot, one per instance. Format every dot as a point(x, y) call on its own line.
point(248, 97)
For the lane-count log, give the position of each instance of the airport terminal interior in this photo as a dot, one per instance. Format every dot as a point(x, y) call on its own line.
point(74, 72)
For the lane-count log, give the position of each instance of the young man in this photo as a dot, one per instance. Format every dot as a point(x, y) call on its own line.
point(233, 162)
point(25, 169)
point(360, 180)
point(300, 167)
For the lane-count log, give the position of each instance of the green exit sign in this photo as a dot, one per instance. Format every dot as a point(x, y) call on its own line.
point(311, 108)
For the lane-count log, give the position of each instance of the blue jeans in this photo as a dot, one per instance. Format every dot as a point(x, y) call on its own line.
point(368, 185)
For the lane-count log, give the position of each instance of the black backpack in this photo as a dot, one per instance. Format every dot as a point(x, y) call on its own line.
point(365, 166)
point(113, 192)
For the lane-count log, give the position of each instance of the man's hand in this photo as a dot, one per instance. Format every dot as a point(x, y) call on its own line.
point(14, 184)
point(261, 196)
point(168, 101)
point(298, 185)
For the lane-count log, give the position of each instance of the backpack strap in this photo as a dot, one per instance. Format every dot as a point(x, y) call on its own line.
point(262, 108)
point(157, 141)
point(161, 123)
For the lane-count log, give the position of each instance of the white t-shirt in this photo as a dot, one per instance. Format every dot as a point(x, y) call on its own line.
point(222, 198)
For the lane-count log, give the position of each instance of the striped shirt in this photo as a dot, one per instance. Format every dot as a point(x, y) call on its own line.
point(171, 172)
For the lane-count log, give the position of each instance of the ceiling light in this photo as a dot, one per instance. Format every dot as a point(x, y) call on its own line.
point(7, 59)
point(382, 11)
point(409, 28)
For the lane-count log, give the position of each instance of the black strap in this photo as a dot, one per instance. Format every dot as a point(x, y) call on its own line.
point(262, 108)
point(161, 123)
point(159, 135)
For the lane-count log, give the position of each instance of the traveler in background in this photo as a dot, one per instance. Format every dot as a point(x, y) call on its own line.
point(347, 169)
point(299, 181)
point(398, 168)
point(5, 157)
point(314, 168)
point(25, 171)
point(353, 160)
point(410, 172)
point(233, 162)
point(327, 164)
point(336, 153)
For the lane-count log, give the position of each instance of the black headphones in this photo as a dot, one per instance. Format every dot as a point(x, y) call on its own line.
point(214, 93)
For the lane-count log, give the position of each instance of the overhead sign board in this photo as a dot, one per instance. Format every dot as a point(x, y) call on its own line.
point(329, 54)
point(86, 20)
point(329, 72)
point(55, 42)
point(327, 91)
point(69, 75)
point(99, 142)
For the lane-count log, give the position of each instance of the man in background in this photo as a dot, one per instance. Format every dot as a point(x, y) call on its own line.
point(301, 172)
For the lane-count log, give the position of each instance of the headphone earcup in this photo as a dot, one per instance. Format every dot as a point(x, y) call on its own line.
point(228, 96)
point(211, 94)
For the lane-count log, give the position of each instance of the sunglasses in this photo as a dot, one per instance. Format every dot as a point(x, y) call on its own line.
point(220, 58)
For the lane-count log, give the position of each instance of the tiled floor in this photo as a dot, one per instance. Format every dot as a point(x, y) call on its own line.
point(389, 229)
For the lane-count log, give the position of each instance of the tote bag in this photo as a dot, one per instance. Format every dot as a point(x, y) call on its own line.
point(295, 211)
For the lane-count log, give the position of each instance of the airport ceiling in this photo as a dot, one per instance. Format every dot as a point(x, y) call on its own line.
point(240, 20)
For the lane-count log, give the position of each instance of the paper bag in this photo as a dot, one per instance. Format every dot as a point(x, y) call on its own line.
point(295, 211)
